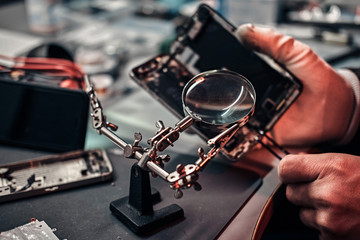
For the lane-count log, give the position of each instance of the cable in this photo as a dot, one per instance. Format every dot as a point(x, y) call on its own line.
point(46, 68)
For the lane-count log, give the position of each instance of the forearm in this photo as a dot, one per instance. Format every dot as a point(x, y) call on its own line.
point(353, 80)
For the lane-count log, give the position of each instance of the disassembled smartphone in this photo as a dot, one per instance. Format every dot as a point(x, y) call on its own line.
point(53, 173)
point(207, 42)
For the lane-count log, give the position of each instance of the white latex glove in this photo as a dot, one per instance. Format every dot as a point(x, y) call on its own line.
point(327, 186)
point(323, 110)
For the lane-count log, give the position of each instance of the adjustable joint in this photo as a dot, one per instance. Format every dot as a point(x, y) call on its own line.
point(129, 150)
point(98, 118)
point(164, 137)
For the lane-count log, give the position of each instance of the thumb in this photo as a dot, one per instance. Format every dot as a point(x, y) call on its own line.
point(296, 57)
point(299, 168)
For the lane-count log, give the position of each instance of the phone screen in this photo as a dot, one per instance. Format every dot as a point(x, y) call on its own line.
point(42, 117)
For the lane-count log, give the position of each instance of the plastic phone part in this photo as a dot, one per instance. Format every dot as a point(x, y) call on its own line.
point(136, 210)
point(33, 230)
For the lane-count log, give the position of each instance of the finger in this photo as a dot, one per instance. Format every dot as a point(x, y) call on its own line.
point(296, 56)
point(300, 168)
point(316, 219)
point(309, 217)
point(301, 194)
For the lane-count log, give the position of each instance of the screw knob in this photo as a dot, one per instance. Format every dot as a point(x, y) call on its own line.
point(180, 168)
point(178, 193)
point(201, 153)
point(160, 125)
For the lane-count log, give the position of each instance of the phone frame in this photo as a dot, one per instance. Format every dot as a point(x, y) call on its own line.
point(54, 173)
point(208, 42)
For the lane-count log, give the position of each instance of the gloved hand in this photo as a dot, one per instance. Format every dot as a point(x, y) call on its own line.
point(323, 110)
point(327, 187)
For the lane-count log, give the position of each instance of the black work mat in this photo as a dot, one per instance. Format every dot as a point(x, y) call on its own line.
point(83, 213)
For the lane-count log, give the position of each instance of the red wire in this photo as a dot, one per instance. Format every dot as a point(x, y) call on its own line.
point(50, 66)
point(40, 60)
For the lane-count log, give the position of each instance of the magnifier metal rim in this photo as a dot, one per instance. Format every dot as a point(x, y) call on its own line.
point(241, 121)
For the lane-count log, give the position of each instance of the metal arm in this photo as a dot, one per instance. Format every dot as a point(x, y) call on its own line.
point(185, 176)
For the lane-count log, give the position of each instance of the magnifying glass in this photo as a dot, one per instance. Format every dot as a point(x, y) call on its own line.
point(218, 99)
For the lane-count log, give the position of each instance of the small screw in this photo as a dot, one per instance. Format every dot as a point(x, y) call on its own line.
point(180, 168)
point(178, 194)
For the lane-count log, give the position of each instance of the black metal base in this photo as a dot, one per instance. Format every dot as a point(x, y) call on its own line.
point(136, 210)
point(143, 224)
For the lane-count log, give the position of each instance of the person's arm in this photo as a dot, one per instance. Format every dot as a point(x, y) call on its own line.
point(326, 186)
point(352, 77)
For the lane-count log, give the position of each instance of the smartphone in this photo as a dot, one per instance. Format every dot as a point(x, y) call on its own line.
point(53, 173)
point(42, 116)
point(208, 42)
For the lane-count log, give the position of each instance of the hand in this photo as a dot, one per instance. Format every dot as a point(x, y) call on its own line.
point(323, 110)
point(327, 186)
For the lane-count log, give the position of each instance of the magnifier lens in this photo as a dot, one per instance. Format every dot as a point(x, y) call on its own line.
point(219, 97)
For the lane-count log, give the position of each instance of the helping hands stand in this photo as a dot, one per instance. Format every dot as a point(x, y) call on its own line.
point(136, 210)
